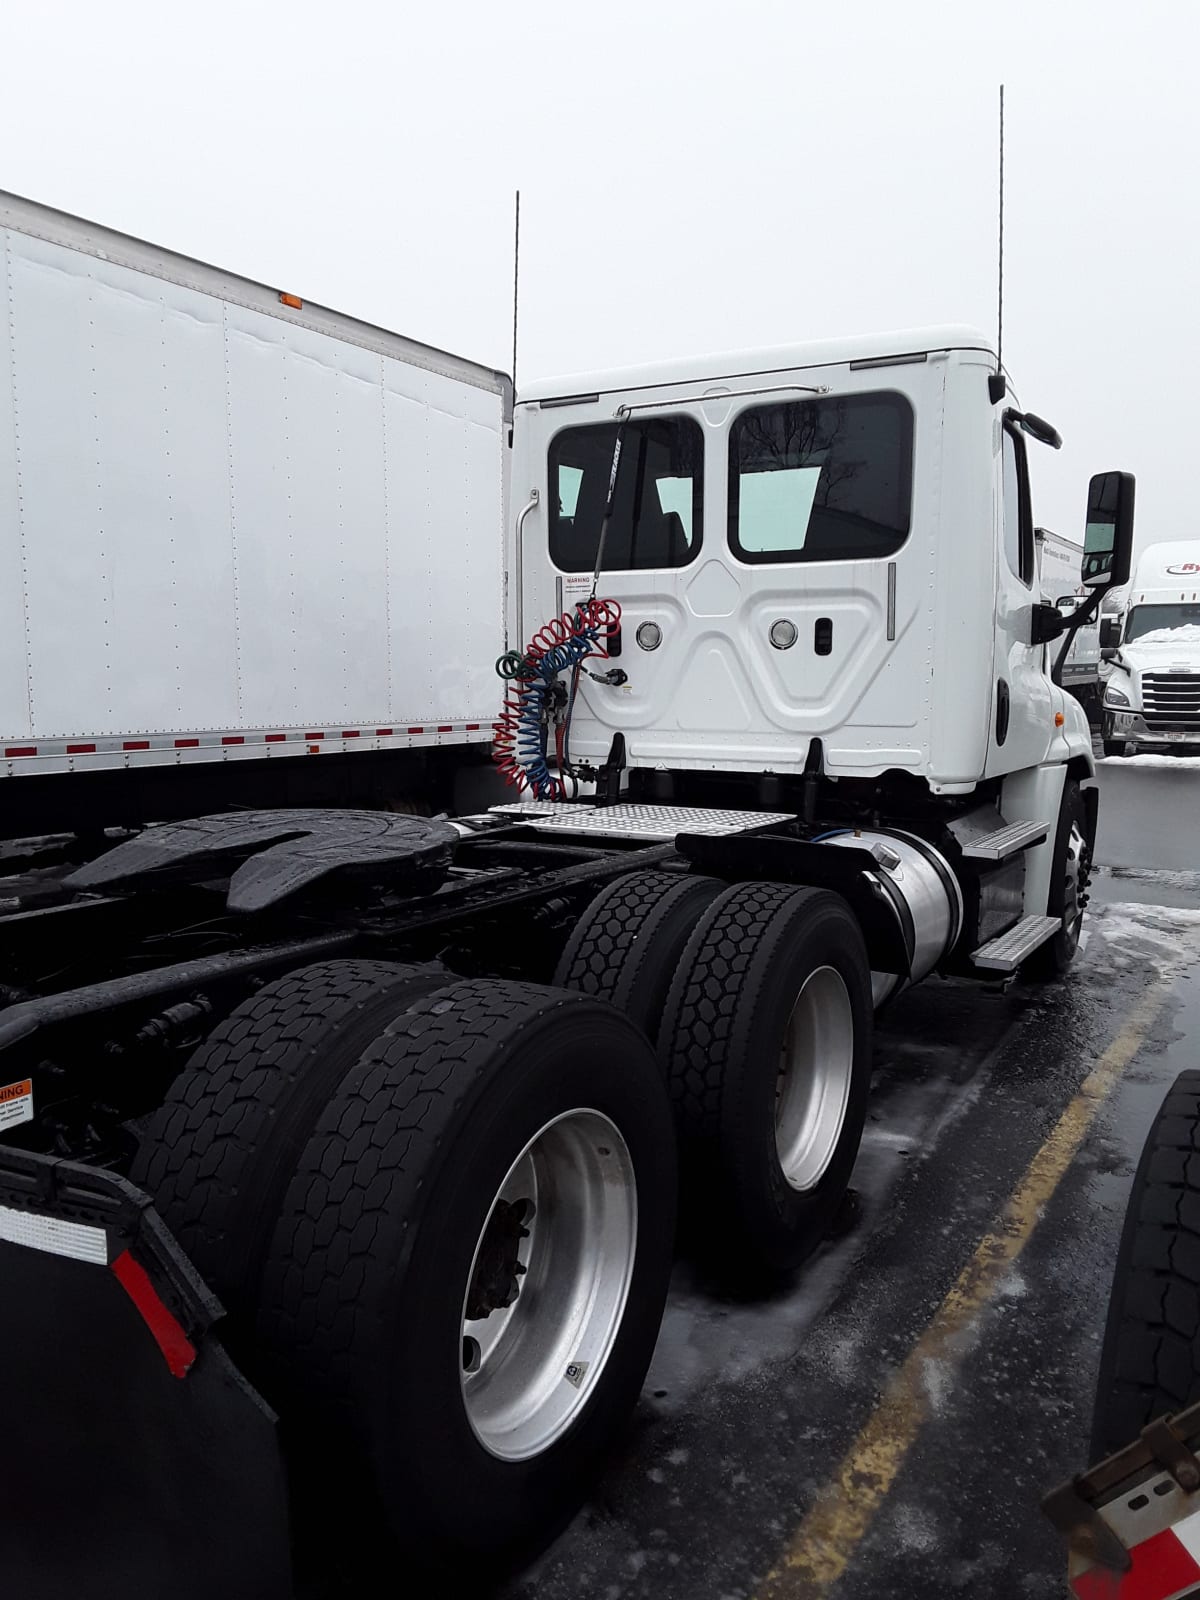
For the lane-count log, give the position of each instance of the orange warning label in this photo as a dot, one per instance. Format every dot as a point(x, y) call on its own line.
point(16, 1103)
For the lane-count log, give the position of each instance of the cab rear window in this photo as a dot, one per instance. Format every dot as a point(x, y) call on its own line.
point(826, 479)
point(659, 501)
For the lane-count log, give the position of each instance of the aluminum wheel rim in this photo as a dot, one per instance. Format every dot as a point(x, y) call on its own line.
point(529, 1368)
point(1075, 884)
point(815, 1068)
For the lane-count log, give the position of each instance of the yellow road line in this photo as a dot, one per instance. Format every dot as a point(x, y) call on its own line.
point(825, 1541)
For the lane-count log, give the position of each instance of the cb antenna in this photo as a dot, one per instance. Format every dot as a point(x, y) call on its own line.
point(997, 387)
point(516, 281)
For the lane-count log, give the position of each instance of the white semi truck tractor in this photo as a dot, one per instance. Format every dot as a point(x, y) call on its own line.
point(341, 1149)
point(1152, 695)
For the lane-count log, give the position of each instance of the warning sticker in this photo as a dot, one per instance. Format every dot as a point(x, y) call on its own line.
point(16, 1103)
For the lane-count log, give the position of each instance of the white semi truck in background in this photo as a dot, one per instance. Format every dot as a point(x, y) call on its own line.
point(1152, 693)
point(333, 1135)
point(1059, 562)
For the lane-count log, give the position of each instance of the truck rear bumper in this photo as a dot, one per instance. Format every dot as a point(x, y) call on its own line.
point(138, 1459)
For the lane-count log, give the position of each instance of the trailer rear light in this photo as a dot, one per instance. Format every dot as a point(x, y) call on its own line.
point(292, 300)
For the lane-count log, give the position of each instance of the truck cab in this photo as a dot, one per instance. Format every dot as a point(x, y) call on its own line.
point(1152, 696)
point(825, 557)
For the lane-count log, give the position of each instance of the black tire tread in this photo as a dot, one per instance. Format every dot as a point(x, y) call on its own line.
point(620, 925)
point(716, 980)
point(221, 1112)
point(609, 924)
point(1150, 1362)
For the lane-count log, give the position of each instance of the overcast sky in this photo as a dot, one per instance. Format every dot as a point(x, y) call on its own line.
point(696, 175)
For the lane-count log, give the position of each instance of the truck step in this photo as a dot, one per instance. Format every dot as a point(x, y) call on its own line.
point(648, 823)
point(1006, 953)
point(1004, 842)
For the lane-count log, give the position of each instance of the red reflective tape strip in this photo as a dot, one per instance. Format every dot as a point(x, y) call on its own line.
point(233, 738)
point(136, 744)
point(351, 733)
point(276, 738)
point(416, 730)
point(20, 750)
point(1161, 1568)
point(178, 1350)
point(314, 735)
point(383, 733)
point(445, 727)
point(81, 749)
point(471, 727)
point(186, 744)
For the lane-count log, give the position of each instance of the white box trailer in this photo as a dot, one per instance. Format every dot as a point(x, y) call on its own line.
point(234, 526)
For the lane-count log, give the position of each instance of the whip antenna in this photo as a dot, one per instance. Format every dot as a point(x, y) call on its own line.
point(516, 282)
point(996, 385)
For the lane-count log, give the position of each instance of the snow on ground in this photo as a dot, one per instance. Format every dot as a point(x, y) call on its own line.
point(1184, 763)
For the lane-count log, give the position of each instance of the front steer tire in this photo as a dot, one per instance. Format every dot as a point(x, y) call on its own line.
point(758, 949)
point(373, 1268)
point(1070, 872)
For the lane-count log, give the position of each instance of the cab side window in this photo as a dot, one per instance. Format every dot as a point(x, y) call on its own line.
point(1016, 507)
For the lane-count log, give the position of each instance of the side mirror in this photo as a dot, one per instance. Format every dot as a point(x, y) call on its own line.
point(1108, 652)
point(1108, 539)
point(1110, 635)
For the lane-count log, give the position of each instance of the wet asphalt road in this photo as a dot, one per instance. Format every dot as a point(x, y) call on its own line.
point(751, 1409)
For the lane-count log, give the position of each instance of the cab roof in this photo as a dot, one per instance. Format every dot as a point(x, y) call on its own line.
point(751, 363)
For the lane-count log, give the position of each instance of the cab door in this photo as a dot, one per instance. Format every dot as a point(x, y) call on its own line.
point(1022, 705)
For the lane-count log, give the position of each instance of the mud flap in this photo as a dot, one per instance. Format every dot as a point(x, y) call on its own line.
point(137, 1459)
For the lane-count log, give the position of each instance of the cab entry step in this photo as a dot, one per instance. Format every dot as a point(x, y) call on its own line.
point(1004, 842)
point(1006, 953)
point(627, 821)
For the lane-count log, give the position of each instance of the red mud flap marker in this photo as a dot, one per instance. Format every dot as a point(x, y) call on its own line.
point(1133, 1521)
point(1164, 1566)
point(178, 1350)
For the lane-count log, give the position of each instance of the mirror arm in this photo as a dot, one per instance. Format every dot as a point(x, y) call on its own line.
point(1085, 614)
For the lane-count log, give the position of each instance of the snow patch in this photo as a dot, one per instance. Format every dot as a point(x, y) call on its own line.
point(916, 1530)
point(1181, 763)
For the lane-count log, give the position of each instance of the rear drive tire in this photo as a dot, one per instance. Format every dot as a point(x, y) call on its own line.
point(628, 941)
point(1070, 872)
point(1150, 1361)
point(492, 1125)
point(766, 1046)
point(220, 1152)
